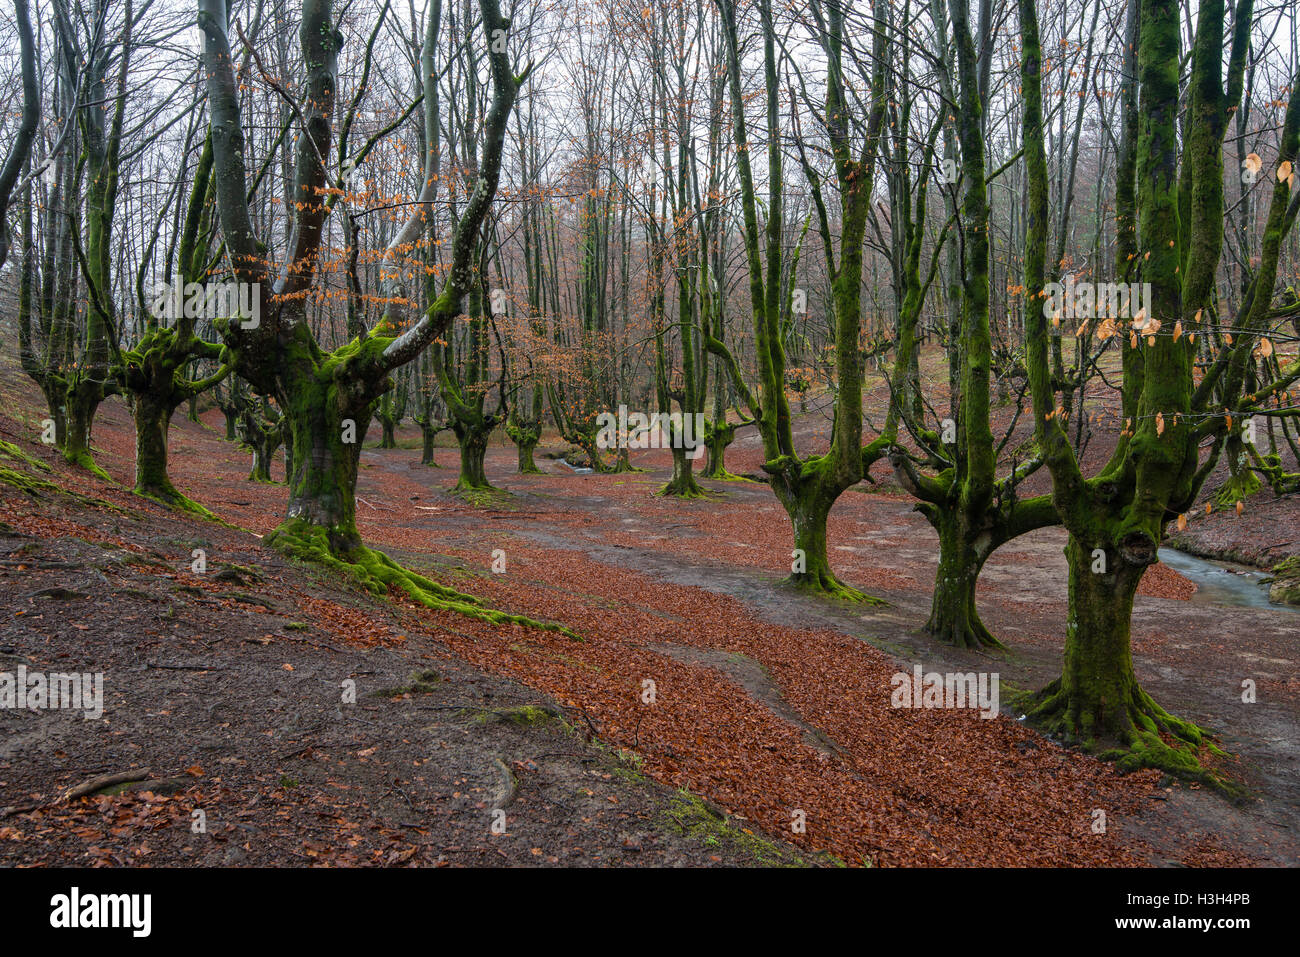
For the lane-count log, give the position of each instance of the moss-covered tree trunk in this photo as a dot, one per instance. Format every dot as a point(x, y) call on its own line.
point(81, 402)
point(328, 398)
point(525, 430)
point(152, 421)
point(683, 484)
point(807, 488)
point(263, 455)
point(810, 566)
point(390, 413)
point(262, 431)
point(152, 371)
point(1117, 519)
point(954, 617)
point(718, 437)
point(472, 437)
point(327, 423)
point(1242, 481)
point(91, 383)
point(526, 440)
point(55, 395)
point(1097, 702)
point(526, 464)
point(428, 433)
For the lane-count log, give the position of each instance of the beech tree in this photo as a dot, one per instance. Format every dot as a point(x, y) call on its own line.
point(1118, 517)
point(808, 487)
point(327, 397)
point(15, 161)
point(973, 509)
point(69, 352)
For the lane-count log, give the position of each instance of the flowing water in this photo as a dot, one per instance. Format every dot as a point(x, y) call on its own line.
point(1222, 583)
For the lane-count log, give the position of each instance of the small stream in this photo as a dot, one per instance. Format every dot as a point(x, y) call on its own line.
point(1222, 583)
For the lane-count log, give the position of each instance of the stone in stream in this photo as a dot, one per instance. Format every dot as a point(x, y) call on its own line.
point(1285, 587)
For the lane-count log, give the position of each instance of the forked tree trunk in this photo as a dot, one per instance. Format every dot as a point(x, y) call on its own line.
point(525, 435)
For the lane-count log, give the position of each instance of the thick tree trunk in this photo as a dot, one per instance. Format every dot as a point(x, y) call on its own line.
point(388, 439)
point(82, 402)
point(810, 566)
point(325, 438)
point(954, 617)
point(230, 415)
point(716, 442)
point(525, 435)
point(526, 464)
point(1097, 701)
point(473, 442)
point(427, 433)
point(683, 484)
point(152, 421)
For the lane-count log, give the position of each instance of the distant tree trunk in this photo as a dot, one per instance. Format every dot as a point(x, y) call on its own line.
point(428, 433)
point(718, 437)
point(472, 437)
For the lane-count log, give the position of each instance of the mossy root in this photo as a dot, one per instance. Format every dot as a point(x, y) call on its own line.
point(380, 575)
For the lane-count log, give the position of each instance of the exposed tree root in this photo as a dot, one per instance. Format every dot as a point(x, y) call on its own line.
point(380, 575)
point(36, 486)
point(963, 632)
point(1140, 734)
point(169, 497)
point(1237, 488)
point(85, 460)
point(682, 489)
point(10, 451)
point(954, 618)
point(826, 585)
point(481, 496)
point(724, 476)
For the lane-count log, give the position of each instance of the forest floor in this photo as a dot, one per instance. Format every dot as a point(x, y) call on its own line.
point(771, 708)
